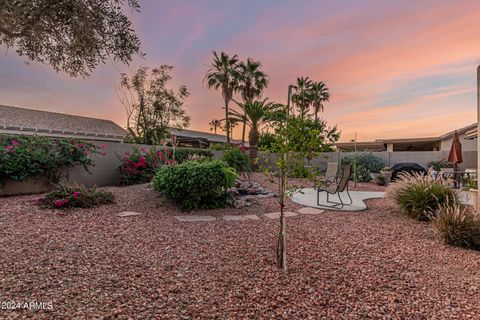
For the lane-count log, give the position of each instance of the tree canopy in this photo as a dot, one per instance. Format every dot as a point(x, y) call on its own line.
point(72, 36)
point(152, 108)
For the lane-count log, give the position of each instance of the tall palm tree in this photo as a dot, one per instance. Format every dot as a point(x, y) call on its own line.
point(222, 75)
point(320, 93)
point(302, 98)
point(251, 83)
point(256, 114)
point(216, 124)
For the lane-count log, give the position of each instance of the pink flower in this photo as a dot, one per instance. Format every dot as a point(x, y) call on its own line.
point(143, 149)
point(76, 194)
point(14, 142)
point(9, 148)
point(85, 152)
point(81, 145)
point(61, 202)
point(104, 154)
point(102, 146)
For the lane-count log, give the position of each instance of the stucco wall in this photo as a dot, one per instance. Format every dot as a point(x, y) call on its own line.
point(467, 145)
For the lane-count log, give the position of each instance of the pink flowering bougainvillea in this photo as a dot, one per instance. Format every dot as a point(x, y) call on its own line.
point(140, 165)
point(35, 156)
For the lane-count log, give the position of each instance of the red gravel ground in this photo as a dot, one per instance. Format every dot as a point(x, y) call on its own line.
point(91, 264)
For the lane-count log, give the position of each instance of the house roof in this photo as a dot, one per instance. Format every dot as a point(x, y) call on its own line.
point(29, 121)
point(200, 135)
point(469, 131)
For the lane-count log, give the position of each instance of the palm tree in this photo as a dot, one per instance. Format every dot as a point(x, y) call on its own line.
point(302, 98)
point(256, 114)
point(223, 75)
point(251, 82)
point(320, 93)
point(216, 124)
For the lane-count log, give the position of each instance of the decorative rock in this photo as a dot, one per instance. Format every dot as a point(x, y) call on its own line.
point(309, 210)
point(241, 218)
point(195, 218)
point(276, 215)
point(128, 214)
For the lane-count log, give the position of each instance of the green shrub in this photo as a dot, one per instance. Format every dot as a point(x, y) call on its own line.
point(196, 185)
point(421, 196)
point(221, 147)
point(22, 157)
point(139, 166)
point(266, 141)
point(438, 165)
point(366, 163)
point(457, 226)
point(68, 195)
point(236, 159)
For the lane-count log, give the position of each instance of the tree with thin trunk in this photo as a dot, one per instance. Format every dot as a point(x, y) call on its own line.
point(223, 75)
point(215, 124)
point(320, 94)
point(251, 83)
point(256, 114)
point(302, 98)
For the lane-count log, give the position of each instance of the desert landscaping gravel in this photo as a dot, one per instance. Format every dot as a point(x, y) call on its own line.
point(93, 264)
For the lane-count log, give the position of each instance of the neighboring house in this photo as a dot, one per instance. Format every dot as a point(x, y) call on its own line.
point(200, 139)
point(440, 143)
point(14, 120)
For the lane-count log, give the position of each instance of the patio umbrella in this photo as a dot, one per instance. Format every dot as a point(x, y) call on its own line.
point(455, 155)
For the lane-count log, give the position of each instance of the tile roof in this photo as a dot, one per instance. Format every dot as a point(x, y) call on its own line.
point(37, 121)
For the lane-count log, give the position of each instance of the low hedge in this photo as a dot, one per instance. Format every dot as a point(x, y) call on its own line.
point(196, 185)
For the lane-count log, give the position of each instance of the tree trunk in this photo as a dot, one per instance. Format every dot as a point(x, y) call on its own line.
point(253, 141)
point(227, 121)
point(282, 234)
point(244, 127)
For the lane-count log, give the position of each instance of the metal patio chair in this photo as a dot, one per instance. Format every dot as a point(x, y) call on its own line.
point(331, 175)
point(339, 187)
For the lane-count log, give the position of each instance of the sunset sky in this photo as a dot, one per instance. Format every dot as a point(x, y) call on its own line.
point(395, 68)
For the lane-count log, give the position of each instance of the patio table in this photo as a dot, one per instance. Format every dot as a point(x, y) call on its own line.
point(460, 178)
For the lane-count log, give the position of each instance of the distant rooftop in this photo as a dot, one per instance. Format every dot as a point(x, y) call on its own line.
point(201, 136)
point(28, 121)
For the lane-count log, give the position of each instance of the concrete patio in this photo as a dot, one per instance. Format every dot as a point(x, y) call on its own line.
point(308, 197)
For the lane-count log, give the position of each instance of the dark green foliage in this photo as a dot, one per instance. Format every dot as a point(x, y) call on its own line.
point(437, 165)
point(310, 136)
point(196, 185)
point(236, 159)
point(366, 163)
point(421, 196)
point(139, 166)
point(67, 195)
point(297, 168)
point(267, 139)
point(70, 35)
point(458, 226)
point(34, 156)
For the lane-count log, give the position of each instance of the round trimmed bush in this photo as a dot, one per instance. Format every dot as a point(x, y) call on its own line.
point(196, 185)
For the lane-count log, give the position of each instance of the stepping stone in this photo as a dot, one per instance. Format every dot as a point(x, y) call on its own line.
point(128, 214)
point(241, 218)
point(276, 215)
point(309, 210)
point(194, 218)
